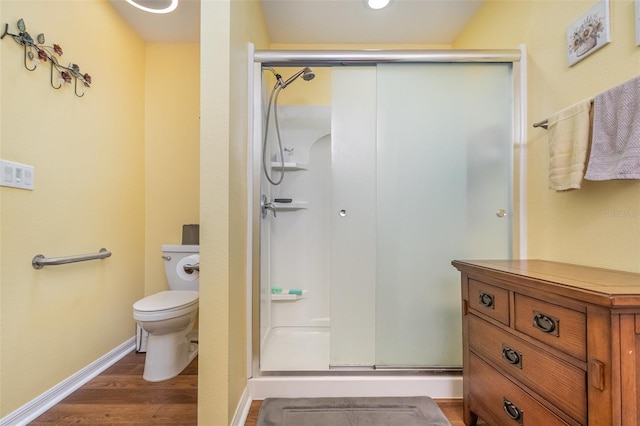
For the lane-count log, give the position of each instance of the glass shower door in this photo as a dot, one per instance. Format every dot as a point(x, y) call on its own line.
point(444, 156)
point(353, 217)
point(420, 173)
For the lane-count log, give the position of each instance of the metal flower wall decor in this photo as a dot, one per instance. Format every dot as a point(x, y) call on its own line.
point(35, 51)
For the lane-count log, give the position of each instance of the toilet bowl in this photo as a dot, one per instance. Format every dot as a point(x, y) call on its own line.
point(169, 316)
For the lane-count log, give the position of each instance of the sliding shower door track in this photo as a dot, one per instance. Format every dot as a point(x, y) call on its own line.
point(368, 371)
point(395, 369)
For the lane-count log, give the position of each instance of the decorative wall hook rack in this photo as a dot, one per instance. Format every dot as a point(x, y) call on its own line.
point(35, 51)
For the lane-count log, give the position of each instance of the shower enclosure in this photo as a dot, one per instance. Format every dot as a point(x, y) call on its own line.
point(408, 168)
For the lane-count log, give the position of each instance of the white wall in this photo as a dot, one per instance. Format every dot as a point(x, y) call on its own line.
point(299, 237)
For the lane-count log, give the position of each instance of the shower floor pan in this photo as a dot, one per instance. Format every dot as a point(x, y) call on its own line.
point(304, 352)
point(296, 349)
point(306, 349)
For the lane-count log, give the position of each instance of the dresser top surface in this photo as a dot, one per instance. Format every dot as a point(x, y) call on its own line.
point(597, 285)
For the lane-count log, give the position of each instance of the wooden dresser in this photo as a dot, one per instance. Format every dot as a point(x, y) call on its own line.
point(549, 344)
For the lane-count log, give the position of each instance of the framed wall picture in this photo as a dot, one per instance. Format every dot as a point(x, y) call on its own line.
point(589, 32)
point(637, 22)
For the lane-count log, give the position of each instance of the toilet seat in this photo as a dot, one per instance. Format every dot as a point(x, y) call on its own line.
point(165, 305)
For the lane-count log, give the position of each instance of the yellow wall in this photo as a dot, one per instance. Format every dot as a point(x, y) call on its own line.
point(88, 155)
point(172, 151)
point(111, 170)
point(579, 226)
point(228, 26)
point(213, 369)
point(116, 203)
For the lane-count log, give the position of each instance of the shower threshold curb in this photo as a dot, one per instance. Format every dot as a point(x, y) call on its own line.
point(436, 386)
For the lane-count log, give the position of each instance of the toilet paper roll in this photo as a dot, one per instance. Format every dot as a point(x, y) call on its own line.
point(189, 260)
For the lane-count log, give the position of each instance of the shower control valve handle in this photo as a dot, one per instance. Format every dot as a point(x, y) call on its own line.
point(266, 205)
point(270, 206)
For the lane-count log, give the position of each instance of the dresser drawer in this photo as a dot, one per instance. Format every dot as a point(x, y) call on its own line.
point(489, 300)
point(558, 382)
point(499, 401)
point(562, 328)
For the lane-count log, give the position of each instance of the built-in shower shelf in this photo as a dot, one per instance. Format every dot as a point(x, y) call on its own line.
point(288, 166)
point(281, 297)
point(295, 205)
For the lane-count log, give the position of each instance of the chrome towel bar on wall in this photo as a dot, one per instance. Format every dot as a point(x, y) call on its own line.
point(39, 261)
point(545, 123)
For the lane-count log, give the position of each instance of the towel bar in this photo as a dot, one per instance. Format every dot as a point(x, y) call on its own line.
point(39, 261)
point(545, 123)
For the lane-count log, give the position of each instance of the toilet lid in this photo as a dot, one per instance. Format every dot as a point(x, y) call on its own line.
point(166, 300)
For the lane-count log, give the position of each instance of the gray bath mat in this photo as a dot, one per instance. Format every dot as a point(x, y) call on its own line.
point(383, 411)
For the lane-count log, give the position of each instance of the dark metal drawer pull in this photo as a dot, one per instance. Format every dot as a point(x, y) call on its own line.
point(545, 323)
point(512, 411)
point(486, 300)
point(513, 357)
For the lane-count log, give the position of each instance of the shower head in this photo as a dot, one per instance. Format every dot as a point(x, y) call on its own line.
point(306, 73)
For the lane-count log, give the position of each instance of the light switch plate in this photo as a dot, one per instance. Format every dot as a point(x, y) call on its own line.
point(16, 175)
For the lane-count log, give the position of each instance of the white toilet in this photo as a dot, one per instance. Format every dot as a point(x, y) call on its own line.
point(169, 316)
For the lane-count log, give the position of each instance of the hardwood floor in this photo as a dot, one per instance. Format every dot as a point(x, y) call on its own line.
point(121, 396)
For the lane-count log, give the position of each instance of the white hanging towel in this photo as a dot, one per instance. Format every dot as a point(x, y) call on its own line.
point(568, 145)
point(615, 147)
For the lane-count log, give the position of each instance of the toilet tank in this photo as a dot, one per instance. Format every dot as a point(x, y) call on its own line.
point(175, 258)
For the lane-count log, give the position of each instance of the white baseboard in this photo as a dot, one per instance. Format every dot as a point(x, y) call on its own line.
point(242, 410)
point(48, 399)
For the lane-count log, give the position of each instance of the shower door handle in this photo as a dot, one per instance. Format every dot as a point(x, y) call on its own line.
point(266, 205)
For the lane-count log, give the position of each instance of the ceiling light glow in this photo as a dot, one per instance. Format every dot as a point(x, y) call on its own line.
point(377, 4)
point(167, 9)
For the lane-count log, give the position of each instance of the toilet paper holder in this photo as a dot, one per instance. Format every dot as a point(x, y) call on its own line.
point(190, 268)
